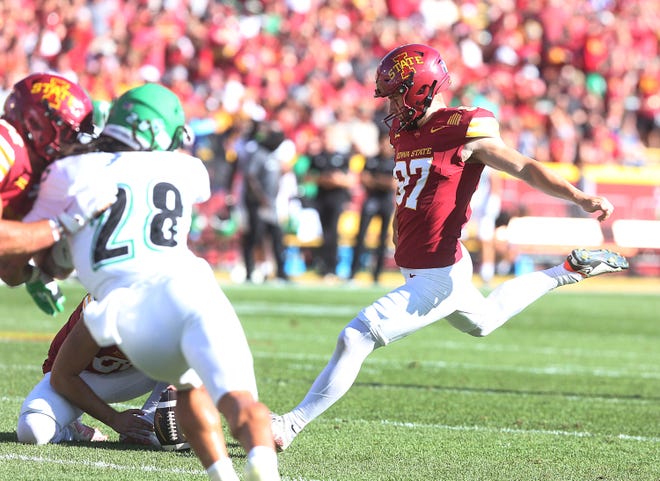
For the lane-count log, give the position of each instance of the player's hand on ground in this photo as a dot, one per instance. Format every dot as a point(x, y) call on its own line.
point(131, 424)
point(45, 292)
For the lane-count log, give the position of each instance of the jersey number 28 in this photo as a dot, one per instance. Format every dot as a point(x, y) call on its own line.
point(160, 229)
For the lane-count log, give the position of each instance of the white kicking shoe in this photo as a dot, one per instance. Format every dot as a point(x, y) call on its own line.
point(284, 431)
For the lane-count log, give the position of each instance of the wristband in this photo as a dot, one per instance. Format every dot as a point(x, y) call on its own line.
point(68, 225)
point(55, 229)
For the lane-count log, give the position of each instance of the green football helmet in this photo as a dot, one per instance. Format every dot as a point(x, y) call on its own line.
point(148, 117)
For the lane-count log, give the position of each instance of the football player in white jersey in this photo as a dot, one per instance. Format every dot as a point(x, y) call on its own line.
point(155, 299)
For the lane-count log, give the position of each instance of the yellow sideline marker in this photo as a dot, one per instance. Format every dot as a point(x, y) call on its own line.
point(26, 336)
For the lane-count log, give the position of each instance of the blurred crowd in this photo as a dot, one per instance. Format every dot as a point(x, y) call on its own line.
point(555, 76)
point(574, 83)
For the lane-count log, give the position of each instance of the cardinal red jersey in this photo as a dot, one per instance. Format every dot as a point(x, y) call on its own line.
point(18, 185)
point(107, 360)
point(435, 184)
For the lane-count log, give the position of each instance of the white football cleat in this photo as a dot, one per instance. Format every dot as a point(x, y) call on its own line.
point(590, 263)
point(284, 431)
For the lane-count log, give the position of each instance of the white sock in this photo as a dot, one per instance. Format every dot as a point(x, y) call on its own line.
point(222, 470)
point(338, 375)
point(151, 403)
point(262, 452)
point(563, 276)
point(263, 456)
point(514, 295)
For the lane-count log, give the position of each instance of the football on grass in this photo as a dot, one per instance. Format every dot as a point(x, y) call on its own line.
point(166, 426)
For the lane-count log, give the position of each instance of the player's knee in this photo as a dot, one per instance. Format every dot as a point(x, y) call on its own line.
point(352, 340)
point(35, 428)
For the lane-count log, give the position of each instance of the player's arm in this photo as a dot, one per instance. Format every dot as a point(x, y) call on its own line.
point(21, 241)
point(496, 154)
point(76, 352)
point(18, 237)
point(26, 238)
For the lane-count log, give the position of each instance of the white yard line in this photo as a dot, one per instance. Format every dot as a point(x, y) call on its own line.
point(99, 464)
point(119, 467)
point(485, 429)
point(562, 370)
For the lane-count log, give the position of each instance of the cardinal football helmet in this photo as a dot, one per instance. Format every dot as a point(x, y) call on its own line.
point(417, 73)
point(148, 117)
point(50, 112)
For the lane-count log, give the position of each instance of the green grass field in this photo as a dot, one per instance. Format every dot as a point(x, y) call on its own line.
point(569, 390)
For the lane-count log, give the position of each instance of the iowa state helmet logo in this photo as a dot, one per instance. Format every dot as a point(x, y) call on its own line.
point(57, 93)
point(404, 65)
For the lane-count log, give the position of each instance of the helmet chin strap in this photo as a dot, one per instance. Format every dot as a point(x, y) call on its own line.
point(429, 97)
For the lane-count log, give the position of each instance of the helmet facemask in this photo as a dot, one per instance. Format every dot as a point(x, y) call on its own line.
point(65, 137)
point(409, 113)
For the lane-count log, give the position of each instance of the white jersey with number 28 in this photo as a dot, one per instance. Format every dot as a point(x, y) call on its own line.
point(144, 234)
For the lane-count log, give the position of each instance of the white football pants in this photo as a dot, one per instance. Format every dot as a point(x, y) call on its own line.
point(181, 329)
point(427, 296)
point(45, 414)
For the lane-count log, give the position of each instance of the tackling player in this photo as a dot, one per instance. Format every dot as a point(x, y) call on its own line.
point(43, 117)
point(158, 302)
point(440, 153)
